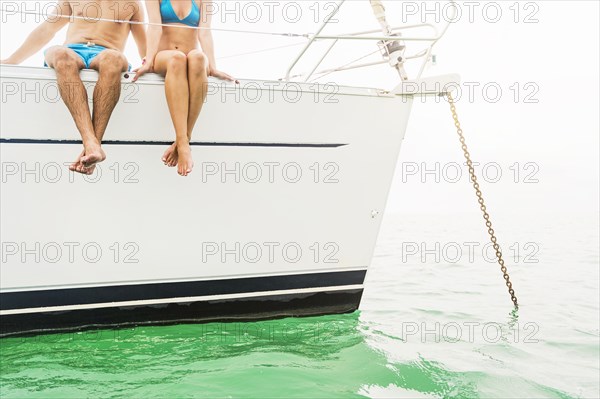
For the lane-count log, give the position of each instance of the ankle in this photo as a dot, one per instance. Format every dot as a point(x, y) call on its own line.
point(182, 145)
point(91, 143)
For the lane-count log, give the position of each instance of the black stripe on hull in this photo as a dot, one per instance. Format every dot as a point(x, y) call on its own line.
point(154, 291)
point(229, 310)
point(168, 143)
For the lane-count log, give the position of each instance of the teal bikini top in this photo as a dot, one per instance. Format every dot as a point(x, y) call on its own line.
point(170, 17)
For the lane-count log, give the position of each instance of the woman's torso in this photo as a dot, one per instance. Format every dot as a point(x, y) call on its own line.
point(179, 36)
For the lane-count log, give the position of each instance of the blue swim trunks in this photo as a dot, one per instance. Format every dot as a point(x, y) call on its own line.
point(87, 52)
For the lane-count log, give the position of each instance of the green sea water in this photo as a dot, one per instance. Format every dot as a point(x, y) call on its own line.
point(427, 328)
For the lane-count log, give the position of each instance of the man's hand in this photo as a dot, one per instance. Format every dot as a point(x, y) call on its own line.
point(8, 61)
point(221, 75)
point(147, 67)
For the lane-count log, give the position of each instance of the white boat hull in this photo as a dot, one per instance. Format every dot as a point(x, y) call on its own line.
point(279, 218)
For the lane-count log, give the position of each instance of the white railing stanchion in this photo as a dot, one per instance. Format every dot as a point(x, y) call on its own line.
point(312, 39)
point(321, 60)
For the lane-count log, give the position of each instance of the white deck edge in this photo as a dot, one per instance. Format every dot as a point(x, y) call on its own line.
point(413, 87)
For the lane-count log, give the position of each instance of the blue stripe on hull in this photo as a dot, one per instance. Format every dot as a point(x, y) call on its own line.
point(140, 292)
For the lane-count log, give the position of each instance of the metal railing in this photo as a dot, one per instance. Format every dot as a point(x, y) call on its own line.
point(425, 54)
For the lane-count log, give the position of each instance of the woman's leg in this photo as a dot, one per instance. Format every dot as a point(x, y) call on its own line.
point(198, 83)
point(173, 66)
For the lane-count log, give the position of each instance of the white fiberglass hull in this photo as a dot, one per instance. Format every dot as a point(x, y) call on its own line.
point(279, 217)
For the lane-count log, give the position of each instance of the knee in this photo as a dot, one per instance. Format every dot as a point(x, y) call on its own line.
point(197, 60)
point(112, 62)
point(64, 61)
point(178, 62)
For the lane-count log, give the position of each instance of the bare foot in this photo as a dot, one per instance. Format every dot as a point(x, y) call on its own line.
point(77, 163)
point(78, 166)
point(93, 155)
point(170, 157)
point(186, 163)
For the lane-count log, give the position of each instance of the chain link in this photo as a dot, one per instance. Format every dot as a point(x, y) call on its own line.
point(486, 216)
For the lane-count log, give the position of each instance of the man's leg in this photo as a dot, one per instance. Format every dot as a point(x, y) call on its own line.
point(110, 64)
point(67, 65)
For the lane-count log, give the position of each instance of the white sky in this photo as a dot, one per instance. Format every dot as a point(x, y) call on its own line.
point(554, 58)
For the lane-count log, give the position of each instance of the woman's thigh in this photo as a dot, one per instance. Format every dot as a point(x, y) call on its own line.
point(161, 61)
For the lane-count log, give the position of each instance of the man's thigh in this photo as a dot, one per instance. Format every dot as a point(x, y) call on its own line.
point(111, 59)
point(61, 53)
